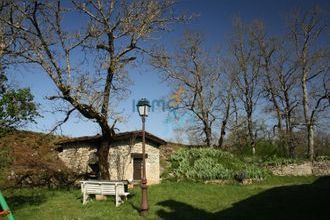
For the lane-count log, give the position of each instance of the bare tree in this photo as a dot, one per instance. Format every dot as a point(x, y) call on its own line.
point(110, 35)
point(248, 62)
point(226, 106)
point(312, 54)
point(194, 76)
point(285, 78)
point(7, 36)
point(279, 79)
point(267, 47)
point(202, 86)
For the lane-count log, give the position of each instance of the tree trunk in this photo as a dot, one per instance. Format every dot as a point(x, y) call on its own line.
point(224, 123)
point(288, 123)
point(103, 155)
point(251, 136)
point(291, 143)
point(275, 103)
point(208, 135)
point(103, 150)
point(308, 121)
point(279, 117)
point(310, 142)
point(222, 133)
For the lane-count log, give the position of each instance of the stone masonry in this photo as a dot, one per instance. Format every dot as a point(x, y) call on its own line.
point(78, 156)
point(121, 161)
point(317, 168)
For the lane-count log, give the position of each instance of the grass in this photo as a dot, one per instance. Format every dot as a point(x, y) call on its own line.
point(277, 197)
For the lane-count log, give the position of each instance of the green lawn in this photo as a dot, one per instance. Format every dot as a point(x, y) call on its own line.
point(275, 198)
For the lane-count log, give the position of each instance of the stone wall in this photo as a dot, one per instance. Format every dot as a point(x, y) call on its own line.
point(320, 168)
point(121, 161)
point(77, 156)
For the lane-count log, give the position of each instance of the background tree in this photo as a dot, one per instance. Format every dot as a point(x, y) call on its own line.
point(307, 33)
point(110, 37)
point(287, 89)
point(199, 85)
point(279, 85)
point(246, 58)
point(17, 107)
point(227, 100)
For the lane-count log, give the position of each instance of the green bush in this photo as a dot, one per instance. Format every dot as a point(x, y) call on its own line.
point(277, 161)
point(322, 158)
point(208, 163)
point(266, 148)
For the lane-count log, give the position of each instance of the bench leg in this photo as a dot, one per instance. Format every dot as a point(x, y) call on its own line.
point(117, 198)
point(85, 197)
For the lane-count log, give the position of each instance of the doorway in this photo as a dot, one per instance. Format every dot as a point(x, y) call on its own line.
point(137, 168)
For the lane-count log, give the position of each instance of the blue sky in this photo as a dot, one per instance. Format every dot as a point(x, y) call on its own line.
point(214, 20)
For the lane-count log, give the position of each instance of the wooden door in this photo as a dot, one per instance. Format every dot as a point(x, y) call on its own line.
point(137, 168)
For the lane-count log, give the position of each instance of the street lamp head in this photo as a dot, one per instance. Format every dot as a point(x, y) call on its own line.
point(143, 106)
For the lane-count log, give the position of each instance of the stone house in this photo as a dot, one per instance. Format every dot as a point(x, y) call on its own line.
point(125, 155)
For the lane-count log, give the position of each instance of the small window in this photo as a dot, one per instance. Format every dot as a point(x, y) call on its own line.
point(95, 170)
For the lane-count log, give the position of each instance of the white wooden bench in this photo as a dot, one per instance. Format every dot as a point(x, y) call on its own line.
point(113, 188)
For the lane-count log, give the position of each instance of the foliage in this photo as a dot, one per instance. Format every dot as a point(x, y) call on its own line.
point(29, 159)
point(277, 161)
point(208, 163)
point(16, 105)
point(266, 148)
point(322, 158)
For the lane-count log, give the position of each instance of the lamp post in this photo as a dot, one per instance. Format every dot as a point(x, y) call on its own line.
point(143, 108)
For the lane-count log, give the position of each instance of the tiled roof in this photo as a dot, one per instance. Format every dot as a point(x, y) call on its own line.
point(118, 137)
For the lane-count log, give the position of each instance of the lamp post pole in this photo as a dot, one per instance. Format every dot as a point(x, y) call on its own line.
point(144, 187)
point(143, 108)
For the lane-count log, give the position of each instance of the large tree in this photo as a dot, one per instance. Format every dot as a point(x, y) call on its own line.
point(194, 82)
point(246, 58)
point(200, 85)
point(311, 48)
point(279, 85)
point(87, 61)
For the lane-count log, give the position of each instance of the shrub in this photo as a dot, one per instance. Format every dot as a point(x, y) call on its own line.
point(277, 161)
point(208, 163)
point(266, 148)
point(322, 158)
point(29, 159)
point(5, 162)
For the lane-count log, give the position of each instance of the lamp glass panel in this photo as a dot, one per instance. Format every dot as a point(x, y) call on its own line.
point(141, 110)
point(146, 109)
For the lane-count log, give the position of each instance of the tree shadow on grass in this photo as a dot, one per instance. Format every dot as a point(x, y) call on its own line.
point(16, 202)
point(286, 202)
